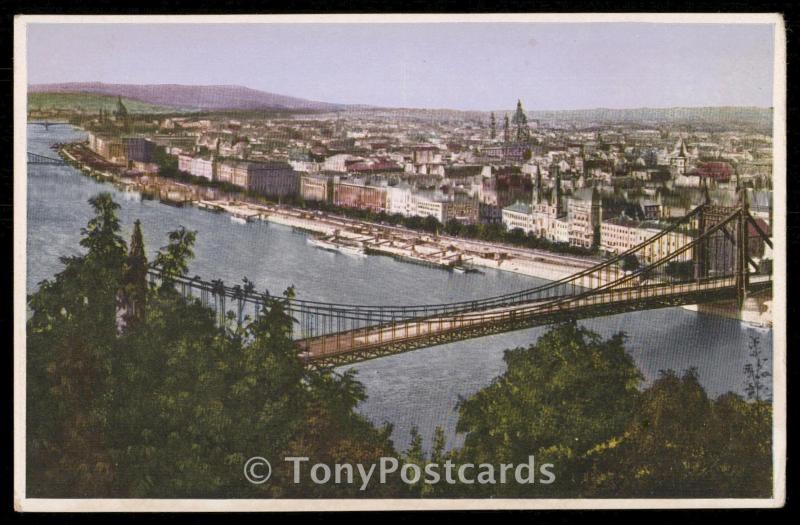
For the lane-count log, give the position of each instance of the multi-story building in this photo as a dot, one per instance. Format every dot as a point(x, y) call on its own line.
point(519, 216)
point(680, 159)
point(317, 188)
point(426, 155)
point(463, 208)
point(621, 234)
point(356, 194)
point(110, 148)
point(444, 207)
point(340, 162)
point(541, 212)
point(269, 178)
point(398, 200)
point(584, 213)
point(507, 152)
point(197, 166)
point(139, 149)
point(546, 218)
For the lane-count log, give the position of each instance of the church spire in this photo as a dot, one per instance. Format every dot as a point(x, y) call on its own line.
point(557, 190)
point(537, 190)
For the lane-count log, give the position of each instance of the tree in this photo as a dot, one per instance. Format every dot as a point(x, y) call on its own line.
point(506, 129)
point(173, 259)
point(661, 451)
point(175, 404)
point(133, 294)
point(527, 154)
point(416, 455)
point(757, 372)
point(680, 443)
point(556, 400)
point(70, 339)
point(167, 164)
point(492, 126)
point(453, 227)
point(680, 270)
point(630, 263)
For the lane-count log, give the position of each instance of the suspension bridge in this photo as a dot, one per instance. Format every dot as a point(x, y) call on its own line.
point(34, 158)
point(713, 253)
point(47, 123)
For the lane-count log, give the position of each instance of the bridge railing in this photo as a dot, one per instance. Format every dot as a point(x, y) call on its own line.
point(673, 255)
point(35, 158)
point(316, 319)
point(655, 282)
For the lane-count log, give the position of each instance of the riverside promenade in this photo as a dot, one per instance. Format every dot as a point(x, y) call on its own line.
point(374, 239)
point(411, 245)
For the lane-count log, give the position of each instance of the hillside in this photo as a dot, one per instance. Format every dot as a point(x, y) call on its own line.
point(693, 116)
point(204, 98)
point(88, 102)
point(754, 118)
point(149, 98)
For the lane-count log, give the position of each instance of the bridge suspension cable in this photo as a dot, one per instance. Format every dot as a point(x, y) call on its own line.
point(34, 158)
point(703, 256)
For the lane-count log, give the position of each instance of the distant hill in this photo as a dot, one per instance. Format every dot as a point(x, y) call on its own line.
point(149, 98)
point(204, 98)
point(88, 103)
point(720, 116)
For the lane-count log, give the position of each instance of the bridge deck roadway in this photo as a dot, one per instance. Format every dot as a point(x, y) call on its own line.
point(383, 335)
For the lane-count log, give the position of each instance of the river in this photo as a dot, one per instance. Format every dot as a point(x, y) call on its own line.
point(419, 388)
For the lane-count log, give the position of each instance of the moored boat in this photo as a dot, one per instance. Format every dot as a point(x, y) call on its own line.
point(341, 247)
point(239, 219)
point(348, 249)
point(322, 243)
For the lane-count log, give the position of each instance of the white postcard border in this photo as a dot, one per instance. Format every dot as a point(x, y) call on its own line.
point(22, 503)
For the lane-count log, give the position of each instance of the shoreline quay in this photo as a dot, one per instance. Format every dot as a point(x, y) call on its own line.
point(409, 245)
point(415, 247)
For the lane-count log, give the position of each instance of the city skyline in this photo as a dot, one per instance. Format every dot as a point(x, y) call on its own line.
point(547, 65)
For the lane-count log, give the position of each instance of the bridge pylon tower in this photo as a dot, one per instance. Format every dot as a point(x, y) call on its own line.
point(742, 246)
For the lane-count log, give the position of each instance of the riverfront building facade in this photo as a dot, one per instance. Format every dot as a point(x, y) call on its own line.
point(356, 194)
point(577, 185)
point(271, 179)
point(197, 166)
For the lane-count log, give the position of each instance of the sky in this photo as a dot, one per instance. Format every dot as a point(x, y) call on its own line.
point(468, 66)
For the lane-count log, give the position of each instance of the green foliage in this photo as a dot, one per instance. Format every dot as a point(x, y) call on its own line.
point(70, 338)
point(167, 164)
point(416, 455)
point(757, 372)
point(680, 443)
point(173, 259)
point(557, 399)
point(571, 400)
point(495, 232)
point(133, 294)
point(175, 404)
point(527, 154)
point(630, 263)
point(680, 269)
point(88, 103)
